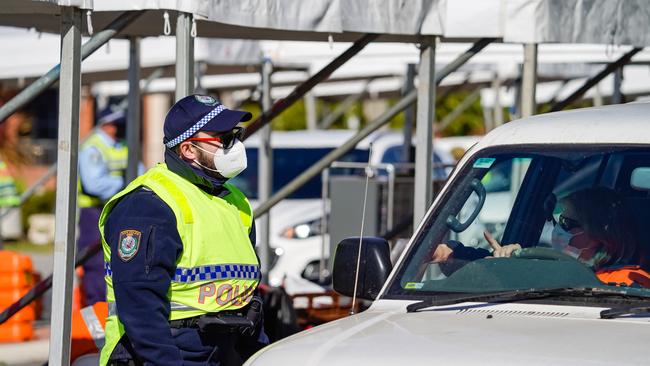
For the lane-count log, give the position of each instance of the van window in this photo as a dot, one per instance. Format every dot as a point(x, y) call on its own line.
point(570, 215)
point(287, 165)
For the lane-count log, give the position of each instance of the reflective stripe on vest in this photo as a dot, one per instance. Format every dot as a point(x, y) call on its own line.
point(116, 158)
point(217, 272)
point(94, 326)
point(217, 269)
point(112, 309)
point(210, 272)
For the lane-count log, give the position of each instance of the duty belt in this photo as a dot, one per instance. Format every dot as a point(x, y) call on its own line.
point(231, 322)
point(244, 321)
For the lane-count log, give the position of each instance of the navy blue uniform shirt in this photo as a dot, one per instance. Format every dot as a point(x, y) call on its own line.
point(141, 283)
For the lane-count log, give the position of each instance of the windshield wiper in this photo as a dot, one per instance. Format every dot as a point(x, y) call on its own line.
point(500, 296)
point(520, 295)
point(616, 312)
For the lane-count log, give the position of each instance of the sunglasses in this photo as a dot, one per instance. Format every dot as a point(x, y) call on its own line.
point(567, 223)
point(226, 139)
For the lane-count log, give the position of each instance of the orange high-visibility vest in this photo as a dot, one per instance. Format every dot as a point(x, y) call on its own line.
point(625, 275)
point(88, 330)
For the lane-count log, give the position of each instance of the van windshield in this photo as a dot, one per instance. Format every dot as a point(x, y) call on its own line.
point(536, 218)
point(288, 163)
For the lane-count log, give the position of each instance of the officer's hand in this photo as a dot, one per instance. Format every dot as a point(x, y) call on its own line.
point(255, 315)
point(498, 250)
point(442, 253)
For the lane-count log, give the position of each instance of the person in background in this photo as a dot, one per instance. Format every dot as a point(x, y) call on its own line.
point(181, 267)
point(102, 165)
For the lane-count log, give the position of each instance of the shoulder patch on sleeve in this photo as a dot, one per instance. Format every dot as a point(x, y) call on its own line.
point(95, 156)
point(129, 243)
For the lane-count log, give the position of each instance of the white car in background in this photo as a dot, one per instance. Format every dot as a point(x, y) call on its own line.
point(295, 234)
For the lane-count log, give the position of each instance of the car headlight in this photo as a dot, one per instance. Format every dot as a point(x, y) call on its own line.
point(303, 230)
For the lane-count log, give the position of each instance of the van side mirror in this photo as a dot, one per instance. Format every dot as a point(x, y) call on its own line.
point(374, 268)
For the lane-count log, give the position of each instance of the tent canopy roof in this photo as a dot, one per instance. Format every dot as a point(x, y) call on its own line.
point(617, 22)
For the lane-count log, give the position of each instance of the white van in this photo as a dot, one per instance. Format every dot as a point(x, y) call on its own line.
point(574, 289)
point(296, 221)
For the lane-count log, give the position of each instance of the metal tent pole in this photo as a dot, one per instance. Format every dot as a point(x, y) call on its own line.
point(133, 126)
point(426, 107)
point(598, 96)
point(497, 108)
point(52, 169)
point(184, 56)
point(617, 97)
point(367, 130)
point(300, 90)
point(450, 89)
point(409, 114)
point(595, 79)
point(66, 185)
point(265, 172)
point(529, 81)
point(47, 80)
point(334, 155)
point(310, 111)
point(345, 105)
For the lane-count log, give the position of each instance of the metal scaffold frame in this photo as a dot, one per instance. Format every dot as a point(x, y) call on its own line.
point(66, 183)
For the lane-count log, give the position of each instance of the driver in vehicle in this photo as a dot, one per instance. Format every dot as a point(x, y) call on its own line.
point(594, 227)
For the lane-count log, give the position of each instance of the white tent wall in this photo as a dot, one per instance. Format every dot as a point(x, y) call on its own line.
point(616, 22)
point(254, 18)
point(81, 4)
point(386, 63)
point(41, 7)
point(611, 22)
point(35, 53)
point(636, 84)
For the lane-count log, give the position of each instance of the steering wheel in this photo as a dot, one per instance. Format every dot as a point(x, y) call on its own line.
point(542, 253)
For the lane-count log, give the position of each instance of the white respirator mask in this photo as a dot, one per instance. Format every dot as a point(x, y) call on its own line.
point(229, 163)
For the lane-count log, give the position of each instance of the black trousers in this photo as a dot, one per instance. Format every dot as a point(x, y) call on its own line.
point(198, 348)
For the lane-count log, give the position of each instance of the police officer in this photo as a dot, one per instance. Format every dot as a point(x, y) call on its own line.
point(181, 270)
point(102, 163)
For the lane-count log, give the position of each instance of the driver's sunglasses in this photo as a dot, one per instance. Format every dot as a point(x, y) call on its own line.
point(226, 139)
point(567, 223)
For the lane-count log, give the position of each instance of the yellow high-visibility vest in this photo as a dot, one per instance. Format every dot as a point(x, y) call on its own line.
point(115, 157)
point(8, 193)
point(218, 269)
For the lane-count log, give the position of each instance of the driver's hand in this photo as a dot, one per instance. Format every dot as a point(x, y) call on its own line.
point(442, 253)
point(498, 250)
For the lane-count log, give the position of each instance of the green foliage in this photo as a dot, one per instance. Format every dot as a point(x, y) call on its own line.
point(43, 202)
point(293, 118)
point(470, 122)
point(399, 119)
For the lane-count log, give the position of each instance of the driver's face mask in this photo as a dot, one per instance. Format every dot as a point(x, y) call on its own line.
point(561, 238)
point(561, 241)
point(229, 163)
